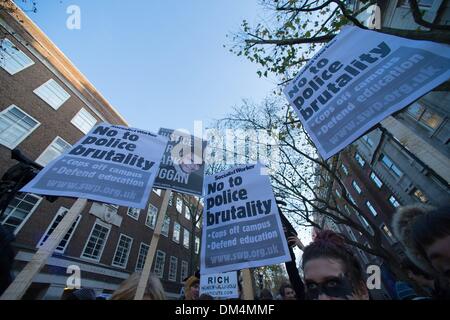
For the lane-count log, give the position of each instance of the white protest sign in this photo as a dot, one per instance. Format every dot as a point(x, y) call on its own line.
point(358, 79)
point(241, 223)
point(112, 164)
point(220, 285)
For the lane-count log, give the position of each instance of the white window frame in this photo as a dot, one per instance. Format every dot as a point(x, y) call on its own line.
point(376, 179)
point(29, 63)
point(105, 225)
point(46, 86)
point(389, 167)
point(163, 264)
point(78, 115)
point(150, 206)
point(356, 187)
point(113, 263)
point(39, 159)
point(165, 232)
point(26, 135)
point(139, 254)
point(187, 213)
point(197, 244)
point(360, 159)
point(61, 211)
point(184, 264)
point(130, 215)
point(175, 224)
point(188, 238)
point(179, 205)
point(371, 208)
point(390, 237)
point(344, 169)
point(173, 277)
point(393, 200)
point(24, 221)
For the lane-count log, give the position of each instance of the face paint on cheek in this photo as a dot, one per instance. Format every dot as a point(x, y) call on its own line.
point(337, 288)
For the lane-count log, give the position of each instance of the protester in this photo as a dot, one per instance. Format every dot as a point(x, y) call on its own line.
point(192, 288)
point(79, 294)
point(331, 270)
point(127, 289)
point(287, 292)
point(6, 258)
point(424, 231)
point(405, 290)
point(265, 294)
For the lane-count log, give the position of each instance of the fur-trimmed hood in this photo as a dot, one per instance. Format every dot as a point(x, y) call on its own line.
point(402, 225)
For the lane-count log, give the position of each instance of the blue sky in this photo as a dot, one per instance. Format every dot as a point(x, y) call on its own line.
point(159, 63)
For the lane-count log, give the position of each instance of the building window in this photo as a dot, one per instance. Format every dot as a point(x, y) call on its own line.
point(157, 191)
point(15, 126)
point(351, 198)
point(376, 180)
point(143, 250)
point(97, 240)
point(390, 165)
point(173, 266)
point(344, 169)
point(171, 199)
point(360, 159)
point(179, 205)
point(356, 187)
point(176, 232)
point(365, 223)
point(19, 210)
point(165, 226)
point(371, 208)
point(187, 212)
point(387, 233)
point(337, 193)
point(52, 93)
point(197, 245)
point(159, 263)
point(122, 251)
point(394, 202)
point(53, 151)
point(65, 241)
point(184, 270)
point(152, 213)
point(186, 239)
point(134, 213)
point(12, 59)
point(84, 121)
point(428, 118)
point(420, 195)
point(424, 4)
point(367, 140)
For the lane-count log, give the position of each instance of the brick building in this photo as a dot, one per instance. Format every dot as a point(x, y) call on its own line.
point(46, 105)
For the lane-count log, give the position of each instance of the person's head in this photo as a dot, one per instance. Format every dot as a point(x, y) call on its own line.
point(265, 295)
point(205, 296)
point(192, 288)
point(287, 292)
point(127, 289)
point(79, 294)
point(331, 270)
point(425, 233)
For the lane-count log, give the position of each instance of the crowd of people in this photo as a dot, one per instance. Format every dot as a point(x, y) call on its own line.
point(331, 270)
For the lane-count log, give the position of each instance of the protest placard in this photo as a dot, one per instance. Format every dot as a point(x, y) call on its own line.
point(358, 79)
point(112, 164)
point(220, 285)
point(182, 167)
point(241, 223)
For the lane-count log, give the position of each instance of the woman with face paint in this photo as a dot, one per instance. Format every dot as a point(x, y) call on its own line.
point(331, 270)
